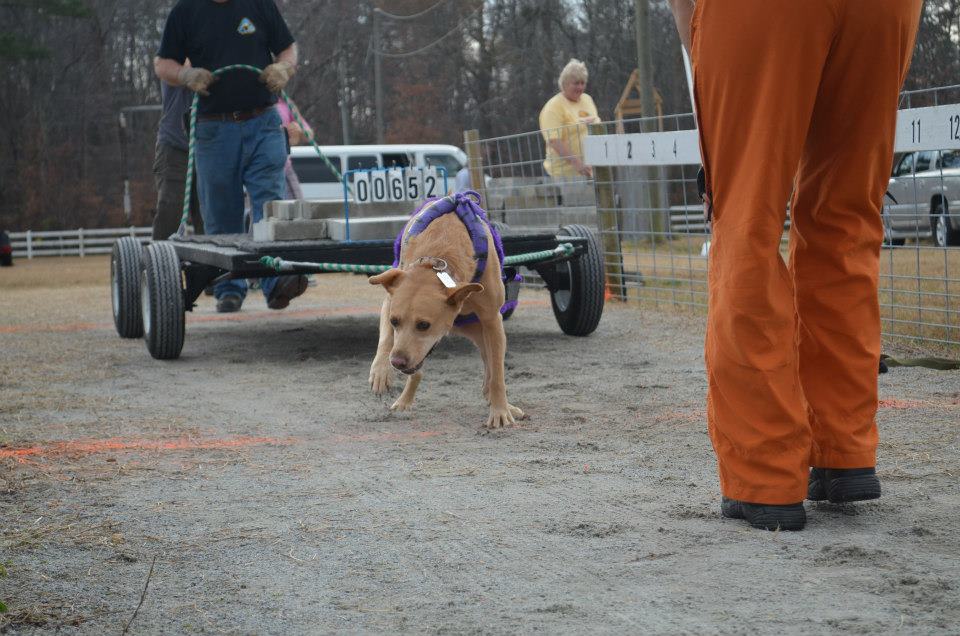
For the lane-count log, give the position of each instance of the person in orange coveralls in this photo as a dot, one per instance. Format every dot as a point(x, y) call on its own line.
point(795, 97)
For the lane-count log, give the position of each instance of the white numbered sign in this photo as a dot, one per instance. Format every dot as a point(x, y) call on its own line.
point(361, 187)
point(932, 128)
point(642, 149)
point(395, 189)
point(413, 184)
point(397, 185)
point(378, 186)
point(432, 183)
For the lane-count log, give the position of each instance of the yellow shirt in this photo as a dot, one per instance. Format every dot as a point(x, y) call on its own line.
point(567, 121)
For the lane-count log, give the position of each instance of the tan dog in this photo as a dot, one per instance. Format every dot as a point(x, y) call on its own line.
point(421, 306)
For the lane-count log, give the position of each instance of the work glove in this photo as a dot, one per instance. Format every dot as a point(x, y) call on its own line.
point(277, 75)
point(196, 79)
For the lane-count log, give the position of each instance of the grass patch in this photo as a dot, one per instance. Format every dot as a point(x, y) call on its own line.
point(51, 272)
point(919, 286)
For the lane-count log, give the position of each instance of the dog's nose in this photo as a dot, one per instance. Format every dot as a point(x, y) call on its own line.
point(399, 362)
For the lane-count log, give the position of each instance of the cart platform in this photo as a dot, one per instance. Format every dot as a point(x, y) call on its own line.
point(153, 287)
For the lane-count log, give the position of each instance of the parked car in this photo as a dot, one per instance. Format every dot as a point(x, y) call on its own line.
point(318, 182)
point(924, 198)
point(6, 249)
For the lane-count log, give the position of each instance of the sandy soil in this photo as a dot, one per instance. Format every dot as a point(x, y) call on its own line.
point(270, 492)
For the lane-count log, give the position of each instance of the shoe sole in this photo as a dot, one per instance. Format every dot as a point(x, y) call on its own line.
point(853, 488)
point(781, 522)
point(793, 520)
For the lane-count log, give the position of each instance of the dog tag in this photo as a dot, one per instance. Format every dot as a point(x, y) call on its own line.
point(446, 280)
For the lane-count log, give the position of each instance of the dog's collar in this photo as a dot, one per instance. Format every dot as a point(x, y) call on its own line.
point(440, 266)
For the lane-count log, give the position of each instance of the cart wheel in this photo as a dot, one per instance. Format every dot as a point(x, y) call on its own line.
point(578, 298)
point(125, 266)
point(161, 292)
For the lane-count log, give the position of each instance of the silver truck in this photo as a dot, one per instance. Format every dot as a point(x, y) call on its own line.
point(924, 198)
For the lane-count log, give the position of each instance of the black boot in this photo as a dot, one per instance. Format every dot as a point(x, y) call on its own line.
point(841, 485)
point(766, 516)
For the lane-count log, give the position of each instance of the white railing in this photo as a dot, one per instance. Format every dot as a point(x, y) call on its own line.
point(72, 242)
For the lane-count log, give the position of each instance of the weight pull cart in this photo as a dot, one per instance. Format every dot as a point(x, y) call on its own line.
point(153, 286)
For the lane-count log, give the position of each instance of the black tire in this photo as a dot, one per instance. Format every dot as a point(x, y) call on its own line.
point(944, 234)
point(162, 301)
point(888, 239)
point(125, 264)
point(578, 301)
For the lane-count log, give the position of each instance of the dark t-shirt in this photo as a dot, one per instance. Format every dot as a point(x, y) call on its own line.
point(214, 34)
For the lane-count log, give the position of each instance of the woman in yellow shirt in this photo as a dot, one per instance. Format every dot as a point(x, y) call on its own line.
point(563, 122)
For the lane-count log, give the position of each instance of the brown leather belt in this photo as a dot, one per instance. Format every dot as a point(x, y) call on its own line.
point(237, 115)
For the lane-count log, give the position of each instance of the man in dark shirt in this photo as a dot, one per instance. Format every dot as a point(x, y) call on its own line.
point(239, 141)
point(170, 165)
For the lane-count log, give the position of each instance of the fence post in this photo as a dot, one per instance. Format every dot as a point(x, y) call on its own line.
point(608, 223)
point(471, 141)
point(29, 244)
point(80, 236)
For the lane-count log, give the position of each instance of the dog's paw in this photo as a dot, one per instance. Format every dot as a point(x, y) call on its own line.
point(507, 416)
point(401, 405)
point(380, 377)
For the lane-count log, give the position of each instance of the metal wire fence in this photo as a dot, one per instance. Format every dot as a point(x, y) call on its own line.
point(642, 200)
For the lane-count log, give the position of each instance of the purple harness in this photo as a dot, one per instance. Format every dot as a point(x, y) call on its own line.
point(466, 206)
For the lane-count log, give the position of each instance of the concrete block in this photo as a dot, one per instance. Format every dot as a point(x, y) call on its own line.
point(367, 229)
point(369, 210)
point(321, 209)
point(296, 230)
point(271, 209)
point(284, 209)
point(316, 209)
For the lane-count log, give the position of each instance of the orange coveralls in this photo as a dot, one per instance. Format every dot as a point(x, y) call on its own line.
point(795, 96)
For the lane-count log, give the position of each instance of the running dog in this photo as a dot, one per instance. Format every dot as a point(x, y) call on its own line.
point(446, 276)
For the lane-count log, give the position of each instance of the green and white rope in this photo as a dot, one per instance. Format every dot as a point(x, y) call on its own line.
point(193, 140)
point(282, 266)
point(563, 249)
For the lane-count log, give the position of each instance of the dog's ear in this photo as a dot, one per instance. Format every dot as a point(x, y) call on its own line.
point(389, 279)
point(459, 293)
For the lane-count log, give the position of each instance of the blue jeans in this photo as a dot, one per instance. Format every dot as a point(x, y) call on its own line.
point(229, 156)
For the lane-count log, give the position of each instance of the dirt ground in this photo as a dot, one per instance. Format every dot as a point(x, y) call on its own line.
point(270, 492)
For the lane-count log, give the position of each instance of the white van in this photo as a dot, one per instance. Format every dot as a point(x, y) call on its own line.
point(318, 182)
